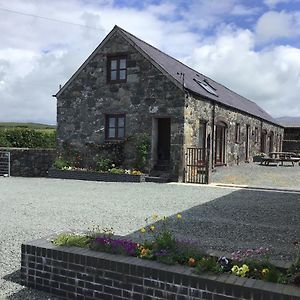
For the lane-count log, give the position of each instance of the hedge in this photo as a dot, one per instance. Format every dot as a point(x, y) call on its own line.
point(27, 138)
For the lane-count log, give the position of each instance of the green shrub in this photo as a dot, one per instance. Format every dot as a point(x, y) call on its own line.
point(71, 239)
point(117, 171)
point(104, 164)
point(60, 163)
point(142, 150)
point(208, 264)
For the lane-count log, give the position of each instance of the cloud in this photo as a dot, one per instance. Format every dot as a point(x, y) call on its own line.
point(270, 77)
point(39, 54)
point(274, 3)
point(274, 25)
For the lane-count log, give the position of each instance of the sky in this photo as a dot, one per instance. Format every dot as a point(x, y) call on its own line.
point(250, 46)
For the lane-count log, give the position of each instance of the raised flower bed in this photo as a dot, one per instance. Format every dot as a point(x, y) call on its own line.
point(94, 176)
point(80, 273)
point(104, 266)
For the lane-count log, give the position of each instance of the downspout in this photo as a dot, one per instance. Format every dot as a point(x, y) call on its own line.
point(261, 131)
point(213, 137)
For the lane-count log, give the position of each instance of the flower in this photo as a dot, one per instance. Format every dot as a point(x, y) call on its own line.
point(152, 227)
point(235, 269)
point(144, 251)
point(143, 230)
point(191, 262)
point(240, 271)
point(265, 271)
point(179, 216)
point(155, 217)
point(245, 268)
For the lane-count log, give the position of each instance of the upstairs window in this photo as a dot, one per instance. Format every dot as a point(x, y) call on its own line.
point(117, 69)
point(115, 127)
point(237, 132)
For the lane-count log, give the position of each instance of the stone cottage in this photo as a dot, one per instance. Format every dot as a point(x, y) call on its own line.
point(127, 88)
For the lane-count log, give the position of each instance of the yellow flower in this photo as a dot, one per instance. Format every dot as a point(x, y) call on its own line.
point(152, 228)
point(235, 269)
point(143, 230)
point(144, 252)
point(155, 217)
point(265, 271)
point(164, 218)
point(245, 268)
point(179, 216)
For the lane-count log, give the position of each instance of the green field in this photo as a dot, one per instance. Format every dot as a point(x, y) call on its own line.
point(37, 126)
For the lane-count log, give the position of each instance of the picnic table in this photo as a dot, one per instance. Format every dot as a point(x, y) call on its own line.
point(280, 157)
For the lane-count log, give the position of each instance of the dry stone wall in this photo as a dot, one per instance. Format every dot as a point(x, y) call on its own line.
point(26, 162)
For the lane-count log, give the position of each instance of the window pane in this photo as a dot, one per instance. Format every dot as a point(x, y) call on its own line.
point(112, 122)
point(121, 122)
point(123, 63)
point(113, 64)
point(113, 75)
point(121, 132)
point(123, 74)
point(112, 133)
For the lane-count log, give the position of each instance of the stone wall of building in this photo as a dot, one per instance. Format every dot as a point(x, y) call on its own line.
point(26, 162)
point(197, 110)
point(147, 94)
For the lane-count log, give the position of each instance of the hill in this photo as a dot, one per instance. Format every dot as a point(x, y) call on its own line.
point(289, 121)
point(37, 126)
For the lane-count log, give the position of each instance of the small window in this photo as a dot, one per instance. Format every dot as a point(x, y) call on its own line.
point(117, 69)
point(205, 85)
point(237, 132)
point(115, 127)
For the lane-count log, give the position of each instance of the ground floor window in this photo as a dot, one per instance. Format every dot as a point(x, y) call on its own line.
point(115, 127)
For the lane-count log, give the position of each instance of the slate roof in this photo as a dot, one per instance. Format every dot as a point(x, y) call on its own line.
point(223, 95)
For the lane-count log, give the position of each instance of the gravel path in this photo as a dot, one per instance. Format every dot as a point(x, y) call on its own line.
point(33, 208)
point(254, 174)
point(220, 218)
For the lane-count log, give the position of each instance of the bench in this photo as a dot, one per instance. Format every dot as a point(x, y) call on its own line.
point(269, 160)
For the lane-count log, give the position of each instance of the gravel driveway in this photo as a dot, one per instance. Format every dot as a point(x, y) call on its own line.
point(220, 218)
point(257, 175)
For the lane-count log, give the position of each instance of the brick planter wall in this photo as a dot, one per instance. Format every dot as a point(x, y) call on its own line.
point(94, 176)
point(75, 273)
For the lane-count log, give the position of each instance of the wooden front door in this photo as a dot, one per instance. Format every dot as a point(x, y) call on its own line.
point(163, 139)
point(220, 145)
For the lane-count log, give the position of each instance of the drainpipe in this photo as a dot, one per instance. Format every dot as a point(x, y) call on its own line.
point(261, 130)
point(213, 137)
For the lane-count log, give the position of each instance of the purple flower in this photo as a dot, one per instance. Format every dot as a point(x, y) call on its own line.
point(118, 246)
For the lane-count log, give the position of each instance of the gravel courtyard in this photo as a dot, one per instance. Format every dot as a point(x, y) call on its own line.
point(256, 175)
point(223, 219)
